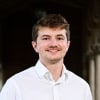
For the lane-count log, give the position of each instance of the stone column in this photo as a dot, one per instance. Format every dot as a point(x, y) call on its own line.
point(97, 62)
point(92, 75)
point(96, 49)
point(96, 53)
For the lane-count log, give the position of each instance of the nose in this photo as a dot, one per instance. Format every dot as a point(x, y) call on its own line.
point(53, 42)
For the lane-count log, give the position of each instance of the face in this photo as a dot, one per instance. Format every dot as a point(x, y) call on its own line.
point(51, 44)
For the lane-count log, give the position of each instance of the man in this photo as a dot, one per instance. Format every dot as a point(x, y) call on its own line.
point(48, 79)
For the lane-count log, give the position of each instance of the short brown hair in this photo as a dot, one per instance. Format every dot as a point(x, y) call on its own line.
point(51, 21)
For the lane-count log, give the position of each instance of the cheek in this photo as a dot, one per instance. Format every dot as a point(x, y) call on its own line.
point(40, 47)
point(43, 45)
point(65, 46)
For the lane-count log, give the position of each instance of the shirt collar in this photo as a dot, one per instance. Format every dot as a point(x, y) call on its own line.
point(42, 71)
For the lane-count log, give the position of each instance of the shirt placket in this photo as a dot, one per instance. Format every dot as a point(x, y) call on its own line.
point(56, 94)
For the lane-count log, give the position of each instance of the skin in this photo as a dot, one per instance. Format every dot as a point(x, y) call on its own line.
point(52, 45)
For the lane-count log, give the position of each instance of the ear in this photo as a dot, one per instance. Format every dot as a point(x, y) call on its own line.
point(69, 43)
point(34, 45)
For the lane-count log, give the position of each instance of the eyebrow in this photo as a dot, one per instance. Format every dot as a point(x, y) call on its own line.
point(45, 36)
point(60, 35)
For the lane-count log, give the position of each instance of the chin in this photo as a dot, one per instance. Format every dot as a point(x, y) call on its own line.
point(53, 61)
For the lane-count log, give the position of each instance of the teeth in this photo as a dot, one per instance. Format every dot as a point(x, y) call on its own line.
point(53, 50)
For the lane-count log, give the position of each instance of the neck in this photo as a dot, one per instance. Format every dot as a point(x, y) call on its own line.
point(55, 69)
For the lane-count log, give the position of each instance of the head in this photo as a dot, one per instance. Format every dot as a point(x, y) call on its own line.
point(51, 38)
point(51, 21)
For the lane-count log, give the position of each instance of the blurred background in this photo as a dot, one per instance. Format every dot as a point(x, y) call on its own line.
point(16, 20)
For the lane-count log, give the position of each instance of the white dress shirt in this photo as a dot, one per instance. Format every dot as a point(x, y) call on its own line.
point(36, 83)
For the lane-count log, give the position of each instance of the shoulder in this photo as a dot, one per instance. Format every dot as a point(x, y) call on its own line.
point(23, 75)
point(77, 80)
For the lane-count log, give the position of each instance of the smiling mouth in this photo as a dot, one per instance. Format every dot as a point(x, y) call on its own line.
point(53, 50)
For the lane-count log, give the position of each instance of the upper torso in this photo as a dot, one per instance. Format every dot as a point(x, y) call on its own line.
point(31, 84)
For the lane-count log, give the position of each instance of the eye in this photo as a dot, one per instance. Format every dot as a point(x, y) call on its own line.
point(45, 38)
point(60, 38)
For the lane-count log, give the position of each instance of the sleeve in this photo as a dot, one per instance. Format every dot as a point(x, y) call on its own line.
point(9, 91)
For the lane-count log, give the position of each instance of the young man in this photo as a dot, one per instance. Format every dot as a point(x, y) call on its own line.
point(48, 79)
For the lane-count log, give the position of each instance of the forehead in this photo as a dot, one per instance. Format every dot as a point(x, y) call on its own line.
point(51, 31)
